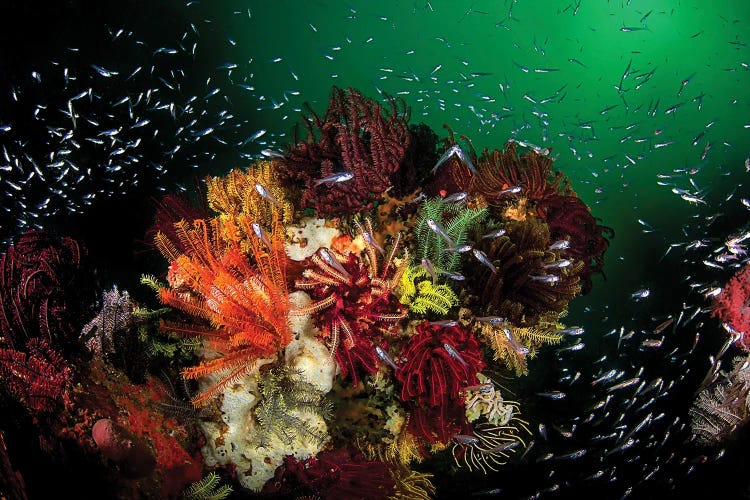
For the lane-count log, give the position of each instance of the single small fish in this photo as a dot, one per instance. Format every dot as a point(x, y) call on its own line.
point(652, 343)
point(556, 395)
point(625, 384)
point(559, 264)
point(692, 199)
point(455, 150)
point(486, 387)
point(493, 320)
point(331, 260)
point(482, 257)
point(385, 357)
point(560, 245)
point(508, 445)
point(543, 430)
point(510, 190)
point(454, 354)
point(574, 455)
point(334, 179)
point(494, 234)
point(371, 241)
point(430, 268)
point(261, 189)
point(607, 376)
point(454, 276)
point(261, 234)
point(434, 226)
point(105, 73)
point(640, 294)
point(445, 323)
point(630, 29)
point(574, 347)
point(459, 197)
point(662, 326)
point(549, 279)
point(487, 493)
point(712, 292)
point(514, 343)
point(573, 331)
point(270, 153)
point(465, 439)
point(458, 249)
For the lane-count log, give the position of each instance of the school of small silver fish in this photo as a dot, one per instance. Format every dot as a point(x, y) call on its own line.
point(642, 134)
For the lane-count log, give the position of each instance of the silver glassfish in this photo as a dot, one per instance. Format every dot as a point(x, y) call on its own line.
point(335, 178)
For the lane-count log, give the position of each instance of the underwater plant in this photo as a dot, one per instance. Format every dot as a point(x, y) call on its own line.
point(514, 345)
point(117, 314)
point(39, 377)
point(355, 138)
point(528, 279)
point(171, 209)
point(334, 475)
point(489, 445)
point(208, 488)
point(245, 302)
point(244, 197)
point(355, 305)
point(419, 160)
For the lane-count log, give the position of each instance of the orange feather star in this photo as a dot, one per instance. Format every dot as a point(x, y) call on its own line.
point(244, 298)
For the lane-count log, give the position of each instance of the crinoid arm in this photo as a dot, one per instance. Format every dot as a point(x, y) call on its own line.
point(494, 447)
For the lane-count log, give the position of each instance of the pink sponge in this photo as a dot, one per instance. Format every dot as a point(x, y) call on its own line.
point(130, 453)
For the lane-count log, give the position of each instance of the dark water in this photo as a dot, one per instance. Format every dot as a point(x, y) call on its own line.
point(621, 91)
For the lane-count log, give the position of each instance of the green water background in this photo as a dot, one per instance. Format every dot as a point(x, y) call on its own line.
point(426, 53)
point(292, 52)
